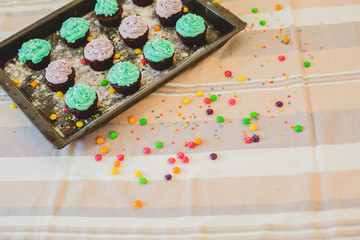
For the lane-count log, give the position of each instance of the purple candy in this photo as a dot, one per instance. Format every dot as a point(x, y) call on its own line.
point(213, 156)
point(209, 111)
point(168, 177)
point(279, 103)
point(255, 138)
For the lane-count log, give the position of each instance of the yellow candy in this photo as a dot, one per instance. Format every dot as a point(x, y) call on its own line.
point(79, 124)
point(186, 100)
point(13, 105)
point(114, 171)
point(137, 51)
point(253, 127)
point(112, 90)
point(59, 94)
point(217, 1)
point(241, 79)
point(117, 56)
point(186, 9)
point(53, 117)
point(16, 81)
point(137, 174)
point(89, 39)
point(199, 93)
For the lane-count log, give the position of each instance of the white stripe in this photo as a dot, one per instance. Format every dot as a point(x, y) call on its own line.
point(303, 17)
point(33, 7)
point(239, 163)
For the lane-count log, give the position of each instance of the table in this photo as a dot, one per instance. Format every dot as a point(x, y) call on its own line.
point(289, 185)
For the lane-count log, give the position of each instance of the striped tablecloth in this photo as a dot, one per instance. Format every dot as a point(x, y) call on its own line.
point(290, 185)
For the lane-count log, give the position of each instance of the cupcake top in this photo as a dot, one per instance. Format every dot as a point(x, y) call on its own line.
point(99, 49)
point(106, 7)
point(34, 50)
point(190, 25)
point(123, 74)
point(133, 27)
point(80, 97)
point(73, 29)
point(158, 49)
point(167, 8)
point(58, 71)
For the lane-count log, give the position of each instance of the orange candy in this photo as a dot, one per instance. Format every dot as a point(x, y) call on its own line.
point(117, 164)
point(34, 84)
point(100, 140)
point(198, 141)
point(137, 203)
point(157, 28)
point(278, 7)
point(104, 150)
point(132, 120)
point(176, 170)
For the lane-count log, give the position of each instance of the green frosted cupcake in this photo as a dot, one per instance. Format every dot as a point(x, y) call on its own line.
point(125, 78)
point(74, 32)
point(81, 100)
point(35, 54)
point(108, 12)
point(159, 53)
point(191, 29)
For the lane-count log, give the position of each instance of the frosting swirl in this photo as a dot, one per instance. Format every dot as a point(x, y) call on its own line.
point(106, 7)
point(190, 25)
point(80, 97)
point(158, 49)
point(34, 50)
point(167, 8)
point(133, 27)
point(99, 49)
point(58, 71)
point(123, 74)
point(73, 29)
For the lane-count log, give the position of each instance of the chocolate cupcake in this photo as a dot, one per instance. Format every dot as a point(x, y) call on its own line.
point(143, 3)
point(108, 12)
point(35, 54)
point(81, 100)
point(168, 11)
point(99, 54)
point(125, 78)
point(59, 76)
point(191, 29)
point(159, 53)
point(74, 32)
point(134, 31)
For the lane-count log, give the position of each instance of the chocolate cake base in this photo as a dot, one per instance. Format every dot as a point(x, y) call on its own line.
point(170, 21)
point(78, 43)
point(101, 65)
point(62, 87)
point(164, 64)
point(136, 42)
point(143, 3)
point(191, 41)
point(39, 66)
point(128, 90)
point(111, 21)
point(86, 113)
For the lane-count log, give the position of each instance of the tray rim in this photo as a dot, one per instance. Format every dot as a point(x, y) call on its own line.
point(37, 118)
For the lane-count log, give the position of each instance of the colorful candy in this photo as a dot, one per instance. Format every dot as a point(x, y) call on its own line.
point(98, 157)
point(146, 150)
point(213, 156)
point(168, 177)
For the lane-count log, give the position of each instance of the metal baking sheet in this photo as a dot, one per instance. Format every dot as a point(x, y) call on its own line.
point(39, 103)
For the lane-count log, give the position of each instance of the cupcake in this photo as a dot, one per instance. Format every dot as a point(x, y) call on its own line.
point(125, 78)
point(59, 76)
point(35, 54)
point(191, 29)
point(99, 54)
point(159, 53)
point(74, 32)
point(142, 3)
point(81, 100)
point(168, 11)
point(108, 12)
point(134, 31)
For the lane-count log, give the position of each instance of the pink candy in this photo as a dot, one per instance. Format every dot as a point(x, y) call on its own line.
point(146, 150)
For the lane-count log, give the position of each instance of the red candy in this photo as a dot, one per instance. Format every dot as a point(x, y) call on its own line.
point(180, 155)
point(120, 157)
point(247, 139)
point(171, 160)
point(146, 150)
point(207, 100)
point(98, 157)
point(281, 58)
point(185, 159)
point(191, 145)
point(228, 73)
point(232, 101)
point(83, 62)
point(143, 61)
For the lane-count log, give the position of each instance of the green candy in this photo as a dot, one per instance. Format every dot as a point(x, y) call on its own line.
point(220, 119)
point(213, 97)
point(246, 121)
point(254, 10)
point(253, 114)
point(143, 121)
point(142, 180)
point(113, 135)
point(298, 128)
point(158, 144)
point(307, 64)
point(104, 83)
point(262, 22)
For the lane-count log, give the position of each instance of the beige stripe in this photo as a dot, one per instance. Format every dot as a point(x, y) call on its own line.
point(279, 194)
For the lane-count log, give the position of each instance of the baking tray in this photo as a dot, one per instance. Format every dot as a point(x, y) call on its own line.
point(39, 103)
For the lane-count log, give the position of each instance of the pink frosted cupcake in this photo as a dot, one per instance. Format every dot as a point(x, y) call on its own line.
point(168, 11)
point(99, 54)
point(59, 76)
point(134, 31)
